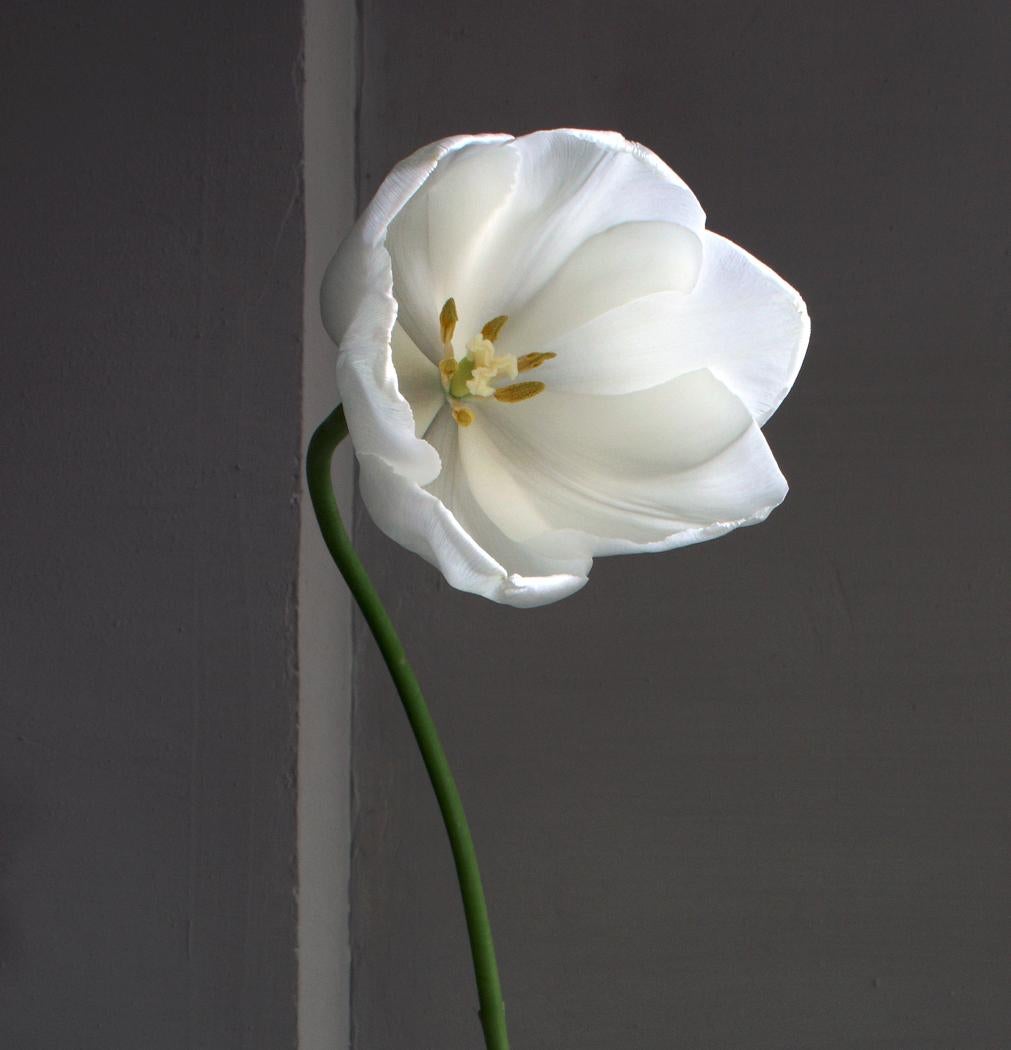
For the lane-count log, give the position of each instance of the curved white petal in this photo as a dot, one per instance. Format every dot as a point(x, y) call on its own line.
point(570, 186)
point(379, 418)
point(350, 274)
point(435, 241)
point(741, 321)
point(359, 312)
point(604, 475)
point(754, 326)
point(418, 380)
point(423, 524)
point(453, 489)
point(620, 265)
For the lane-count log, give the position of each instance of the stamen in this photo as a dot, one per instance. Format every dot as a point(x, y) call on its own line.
point(471, 376)
point(518, 392)
point(447, 367)
point(535, 360)
point(493, 327)
point(447, 321)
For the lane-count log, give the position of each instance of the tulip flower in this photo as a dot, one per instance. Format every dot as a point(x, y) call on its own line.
point(545, 356)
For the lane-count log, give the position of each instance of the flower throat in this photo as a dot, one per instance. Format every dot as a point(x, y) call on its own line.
point(470, 378)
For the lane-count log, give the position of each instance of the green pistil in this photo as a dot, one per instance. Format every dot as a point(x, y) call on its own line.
point(464, 372)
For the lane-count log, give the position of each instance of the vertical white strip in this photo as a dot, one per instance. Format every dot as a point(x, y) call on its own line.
point(324, 608)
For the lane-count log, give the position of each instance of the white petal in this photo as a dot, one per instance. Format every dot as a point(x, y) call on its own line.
point(417, 379)
point(422, 523)
point(741, 321)
point(435, 241)
point(572, 185)
point(753, 325)
point(379, 418)
point(605, 475)
point(359, 312)
point(349, 275)
point(452, 488)
point(622, 264)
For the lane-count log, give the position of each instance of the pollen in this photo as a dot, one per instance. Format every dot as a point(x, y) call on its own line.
point(463, 416)
point(518, 392)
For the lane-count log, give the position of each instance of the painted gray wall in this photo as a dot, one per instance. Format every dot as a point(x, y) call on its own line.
point(152, 279)
point(751, 794)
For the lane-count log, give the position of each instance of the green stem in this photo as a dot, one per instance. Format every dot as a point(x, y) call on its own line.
point(328, 436)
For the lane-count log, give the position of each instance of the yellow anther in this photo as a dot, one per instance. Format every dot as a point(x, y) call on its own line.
point(535, 360)
point(518, 392)
point(493, 327)
point(463, 416)
point(447, 321)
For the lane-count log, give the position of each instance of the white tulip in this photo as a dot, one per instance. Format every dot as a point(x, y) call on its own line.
point(545, 356)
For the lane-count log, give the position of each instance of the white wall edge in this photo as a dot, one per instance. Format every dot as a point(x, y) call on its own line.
point(324, 606)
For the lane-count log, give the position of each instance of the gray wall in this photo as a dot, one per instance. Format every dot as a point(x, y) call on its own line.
point(750, 794)
point(152, 280)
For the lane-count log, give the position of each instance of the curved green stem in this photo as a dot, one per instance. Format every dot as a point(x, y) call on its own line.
point(318, 458)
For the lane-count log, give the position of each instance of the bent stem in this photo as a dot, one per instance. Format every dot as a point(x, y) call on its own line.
point(328, 436)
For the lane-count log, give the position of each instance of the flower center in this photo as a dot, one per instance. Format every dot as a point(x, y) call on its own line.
point(470, 378)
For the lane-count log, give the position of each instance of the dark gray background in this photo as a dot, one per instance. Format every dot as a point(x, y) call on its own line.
point(752, 794)
point(152, 312)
